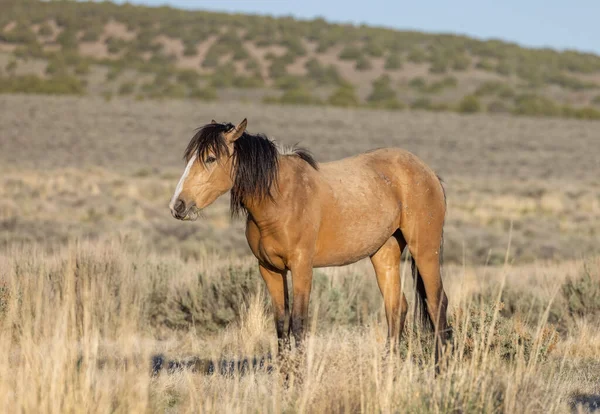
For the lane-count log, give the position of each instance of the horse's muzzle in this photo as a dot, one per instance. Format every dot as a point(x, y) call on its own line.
point(178, 210)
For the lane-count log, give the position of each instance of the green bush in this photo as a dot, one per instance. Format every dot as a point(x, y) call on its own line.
point(535, 105)
point(46, 30)
point(374, 49)
point(11, 66)
point(115, 45)
point(383, 95)
point(344, 96)
point(495, 88)
point(418, 83)
point(421, 103)
point(393, 62)
point(485, 64)
point(31, 84)
point(439, 63)
point(461, 63)
point(204, 94)
point(350, 52)
point(439, 86)
point(504, 68)
point(82, 67)
point(469, 104)
point(252, 81)
point(323, 75)
point(596, 100)
point(417, 55)
point(298, 96)
point(127, 88)
point(223, 76)
point(363, 64)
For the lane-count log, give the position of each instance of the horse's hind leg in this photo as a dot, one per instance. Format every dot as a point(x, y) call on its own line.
point(386, 262)
point(424, 242)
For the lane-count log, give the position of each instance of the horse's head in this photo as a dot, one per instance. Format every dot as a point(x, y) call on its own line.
point(208, 173)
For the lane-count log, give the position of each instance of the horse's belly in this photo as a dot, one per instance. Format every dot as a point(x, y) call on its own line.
point(348, 238)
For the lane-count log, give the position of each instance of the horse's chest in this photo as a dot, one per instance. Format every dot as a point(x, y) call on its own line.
point(266, 249)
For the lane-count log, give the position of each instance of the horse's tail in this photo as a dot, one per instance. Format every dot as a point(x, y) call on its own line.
point(421, 315)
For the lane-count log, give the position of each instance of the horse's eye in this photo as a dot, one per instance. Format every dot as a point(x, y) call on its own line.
point(209, 160)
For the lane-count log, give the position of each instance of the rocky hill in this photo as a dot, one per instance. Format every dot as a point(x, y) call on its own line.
point(63, 47)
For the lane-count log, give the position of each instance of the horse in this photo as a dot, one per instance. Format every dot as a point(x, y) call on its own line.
point(301, 214)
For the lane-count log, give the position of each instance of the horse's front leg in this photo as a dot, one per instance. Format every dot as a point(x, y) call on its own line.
point(277, 286)
point(302, 273)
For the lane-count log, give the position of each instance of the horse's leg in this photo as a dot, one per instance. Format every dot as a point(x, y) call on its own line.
point(277, 286)
point(386, 262)
point(424, 241)
point(302, 273)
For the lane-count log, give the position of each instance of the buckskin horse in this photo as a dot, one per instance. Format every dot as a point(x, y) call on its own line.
point(301, 214)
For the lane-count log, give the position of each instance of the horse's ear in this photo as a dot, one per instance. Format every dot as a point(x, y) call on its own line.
point(213, 122)
point(237, 131)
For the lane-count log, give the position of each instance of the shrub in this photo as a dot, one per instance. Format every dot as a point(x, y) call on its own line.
point(418, 83)
point(363, 64)
point(469, 104)
point(298, 96)
point(223, 76)
point(421, 103)
point(204, 94)
point(393, 62)
point(495, 88)
point(534, 105)
point(127, 88)
point(582, 294)
point(344, 96)
point(374, 49)
point(46, 30)
point(417, 55)
point(188, 77)
point(504, 68)
point(323, 75)
point(11, 66)
point(350, 52)
point(56, 85)
point(485, 64)
point(461, 63)
point(115, 45)
point(510, 338)
point(383, 95)
point(438, 65)
point(252, 81)
point(82, 67)
point(288, 82)
point(596, 100)
point(438, 86)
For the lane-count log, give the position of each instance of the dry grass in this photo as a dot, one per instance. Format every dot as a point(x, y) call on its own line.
point(79, 328)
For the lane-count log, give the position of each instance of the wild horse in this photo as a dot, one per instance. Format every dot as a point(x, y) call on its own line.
point(302, 214)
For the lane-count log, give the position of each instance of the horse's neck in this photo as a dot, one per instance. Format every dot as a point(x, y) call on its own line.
point(267, 210)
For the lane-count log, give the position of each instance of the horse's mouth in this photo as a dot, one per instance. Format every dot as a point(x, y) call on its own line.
point(191, 214)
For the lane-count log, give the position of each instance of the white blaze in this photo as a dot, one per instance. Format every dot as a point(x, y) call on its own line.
point(181, 181)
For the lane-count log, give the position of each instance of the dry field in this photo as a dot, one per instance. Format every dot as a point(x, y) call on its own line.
point(96, 277)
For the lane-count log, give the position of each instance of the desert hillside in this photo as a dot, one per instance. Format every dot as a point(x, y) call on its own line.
point(108, 49)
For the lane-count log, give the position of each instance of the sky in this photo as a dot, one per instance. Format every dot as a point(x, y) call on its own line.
point(558, 24)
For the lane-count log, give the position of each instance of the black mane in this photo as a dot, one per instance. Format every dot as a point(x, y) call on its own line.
point(255, 162)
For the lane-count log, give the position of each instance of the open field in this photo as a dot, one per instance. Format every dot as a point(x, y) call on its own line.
point(96, 277)
point(82, 167)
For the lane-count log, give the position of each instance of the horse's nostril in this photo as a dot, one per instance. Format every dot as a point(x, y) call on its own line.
point(179, 207)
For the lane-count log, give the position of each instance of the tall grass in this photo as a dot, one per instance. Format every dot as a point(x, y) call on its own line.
point(79, 328)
